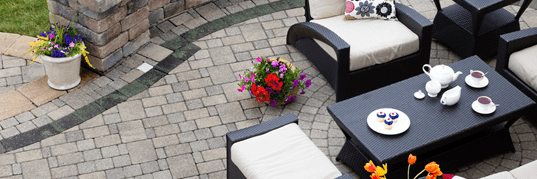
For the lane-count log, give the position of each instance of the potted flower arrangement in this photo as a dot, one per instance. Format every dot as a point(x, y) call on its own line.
point(432, 168)
point(273, 81)
point(61, 49)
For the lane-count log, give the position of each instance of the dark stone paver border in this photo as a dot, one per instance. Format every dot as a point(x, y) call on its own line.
point(184, 49)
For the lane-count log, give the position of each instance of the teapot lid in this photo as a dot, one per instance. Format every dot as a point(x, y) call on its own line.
point(442, 69)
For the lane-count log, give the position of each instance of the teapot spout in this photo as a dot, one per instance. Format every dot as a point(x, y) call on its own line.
point(456, 75)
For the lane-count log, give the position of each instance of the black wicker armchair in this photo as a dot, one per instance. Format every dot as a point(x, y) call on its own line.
point(510, 43)
point(473, 27)
point(233, 172)
point(348, 83)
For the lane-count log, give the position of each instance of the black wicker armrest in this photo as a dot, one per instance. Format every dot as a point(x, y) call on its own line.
point(345, 176)
point(413, 20)
point(259, 129)
point(512, 42)
point(319, 32)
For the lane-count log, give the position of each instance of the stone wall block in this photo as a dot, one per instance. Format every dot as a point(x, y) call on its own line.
point(64, 2)
point(107, 62)
point(90, 36)
point(66, 12)
point(106, 23)
point(90, 13)
point(134, 45)
point(154, 4)
point(124, 2)
point(174, 8)
point(135, 5)
point(138, 29)
point(103, 51)
point(156, 15)
point(134, 18)
point(99, 5)
point(195, 3)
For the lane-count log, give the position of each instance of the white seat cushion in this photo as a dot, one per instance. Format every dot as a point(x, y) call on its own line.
point(527, 171)
point(501, 175)
point(282, 153)
point(326, 8)
point(524, 65)
point(372, 41)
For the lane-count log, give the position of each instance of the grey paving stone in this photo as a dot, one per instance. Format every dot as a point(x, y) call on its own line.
point(155, 52)
point(112, 118)
point(182, 166)
point(221, 74)
point(94, 154)
point(120, 161)
point(96, 132)
point(161, 154)
point(222, 55)
point(149, 167)
point(76, 99)
point(141, 151)
point(63, 172)
point(7, 123)
point(216, 142)
point(131, 110)
point(86, 167)
point(104, 164)
point(253, 32)
point(210, 12)
point(131, 131)
point(180, 29)
point(187, 137)
point(174, 97)
point(133, 170)
point(153, 111)
point(69, 159)
point(182, 18)
point(116, 173)
point(109, 140)
point(36, 169)
point(194, 104)
point(110, 151)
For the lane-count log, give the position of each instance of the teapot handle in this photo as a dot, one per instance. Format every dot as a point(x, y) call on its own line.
point(426, 72)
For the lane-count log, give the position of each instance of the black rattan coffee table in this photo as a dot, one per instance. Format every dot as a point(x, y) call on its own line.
point(436, 132)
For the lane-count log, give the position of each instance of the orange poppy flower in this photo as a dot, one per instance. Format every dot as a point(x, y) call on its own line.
point(411, 159)
point(375, 176)
point(370, 167)
point(432, 176)
point(433, 168)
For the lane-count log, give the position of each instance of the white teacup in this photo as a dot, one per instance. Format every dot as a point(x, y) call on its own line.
point(484, 102)
point(477, 76)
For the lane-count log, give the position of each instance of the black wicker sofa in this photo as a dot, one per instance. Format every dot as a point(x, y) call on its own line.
point(348, 83)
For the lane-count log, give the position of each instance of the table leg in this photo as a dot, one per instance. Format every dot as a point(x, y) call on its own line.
point(477, 19)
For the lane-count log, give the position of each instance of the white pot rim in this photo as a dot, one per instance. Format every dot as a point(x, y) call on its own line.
point(58, 60)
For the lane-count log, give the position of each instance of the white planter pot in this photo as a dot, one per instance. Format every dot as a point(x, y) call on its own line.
point(63, 73)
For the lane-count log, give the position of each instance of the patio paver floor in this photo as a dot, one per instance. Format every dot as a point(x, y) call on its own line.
point(175, 127)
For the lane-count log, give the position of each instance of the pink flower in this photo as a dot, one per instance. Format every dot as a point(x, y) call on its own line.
point(43, 49)
point(259, 59)
point(281, 75)
point(240, 77)
point(242, 88)
point(245, 80)
point(56, 46)
point(252, 78)
point(51, 36)
point(71, 44)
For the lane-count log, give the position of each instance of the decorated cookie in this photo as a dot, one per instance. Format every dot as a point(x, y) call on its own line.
point(380, 116)
point(388, 122)
point(394, 116)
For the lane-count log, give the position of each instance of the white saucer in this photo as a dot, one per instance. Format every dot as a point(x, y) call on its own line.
point(472, 83)
point(402, 124)
point(489, 110)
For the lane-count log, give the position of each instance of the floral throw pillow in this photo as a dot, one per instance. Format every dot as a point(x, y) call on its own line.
point(362, 9)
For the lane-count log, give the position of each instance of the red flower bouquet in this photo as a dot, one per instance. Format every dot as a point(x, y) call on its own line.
point(274, 81)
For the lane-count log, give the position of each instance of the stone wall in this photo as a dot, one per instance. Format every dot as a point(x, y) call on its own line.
point(113, 29)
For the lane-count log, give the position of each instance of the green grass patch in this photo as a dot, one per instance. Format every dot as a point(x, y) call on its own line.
point(25, 17)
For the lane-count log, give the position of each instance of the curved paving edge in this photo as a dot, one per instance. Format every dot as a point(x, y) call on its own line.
point(183, 49)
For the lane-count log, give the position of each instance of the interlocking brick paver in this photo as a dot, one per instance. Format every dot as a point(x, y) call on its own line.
point(131, 110)
point(182, 166)
point(131, 131)
point(36, 169)
point(174, 108)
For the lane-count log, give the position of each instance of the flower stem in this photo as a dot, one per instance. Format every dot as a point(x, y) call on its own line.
point(408, 172)
point(419, 174)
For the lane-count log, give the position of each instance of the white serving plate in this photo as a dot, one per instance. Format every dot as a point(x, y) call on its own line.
point(402, 124)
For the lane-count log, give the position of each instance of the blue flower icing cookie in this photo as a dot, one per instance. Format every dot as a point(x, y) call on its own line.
point(380, 116)
point(394, 116)
point(388, 123)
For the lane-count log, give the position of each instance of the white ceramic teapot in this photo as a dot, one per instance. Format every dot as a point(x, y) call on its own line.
point(451, 96)
point(441, 73)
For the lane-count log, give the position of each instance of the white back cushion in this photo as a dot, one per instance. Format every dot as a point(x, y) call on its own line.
point(527, 171)
point(501, 175)
point(524, 65)
point(326, 8)
point(372, 41)
point(284, 153)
